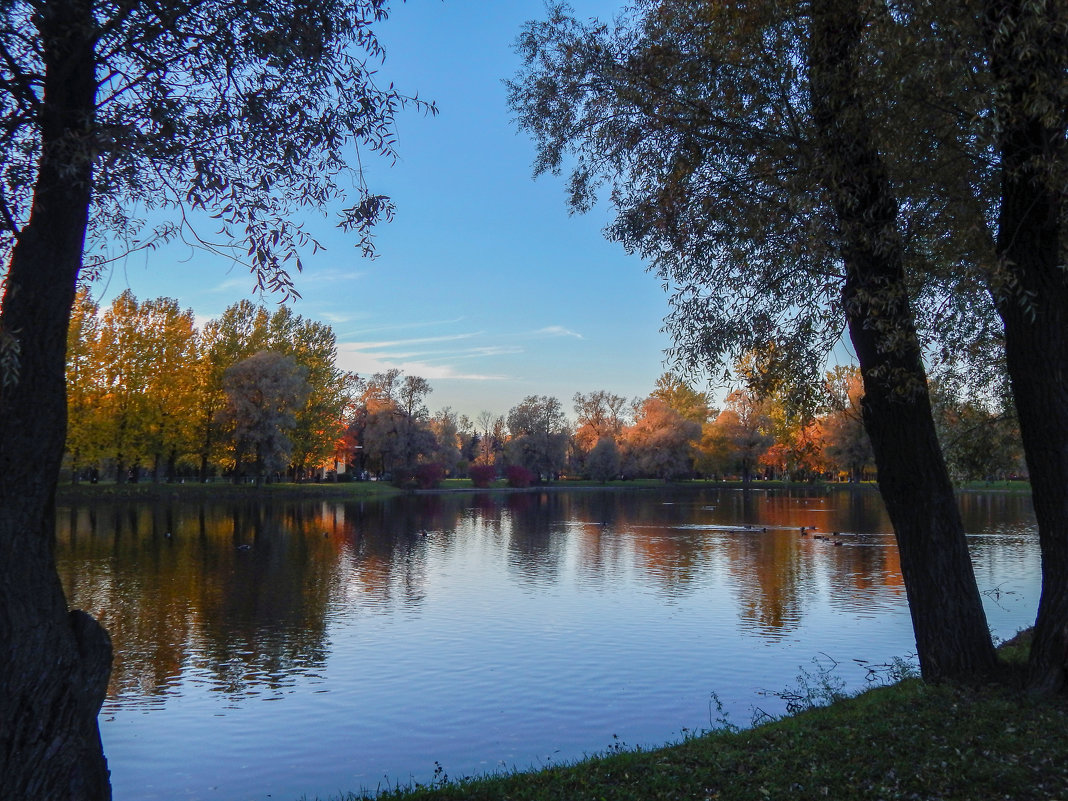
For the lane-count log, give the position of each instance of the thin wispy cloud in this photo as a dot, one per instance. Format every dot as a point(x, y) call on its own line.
point(330, 276)
point(557, 331)
point(395, 343)
point(401, 327)
point(338, 319)
point(243, 284)
point(365, 363)
point(464, 353)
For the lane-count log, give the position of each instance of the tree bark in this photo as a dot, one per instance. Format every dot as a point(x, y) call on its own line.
point(952, 638)
point(54, 663)
point(1029, 58)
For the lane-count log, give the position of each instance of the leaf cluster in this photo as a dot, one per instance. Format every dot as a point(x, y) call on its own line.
point(253, 112)
point(695, 119)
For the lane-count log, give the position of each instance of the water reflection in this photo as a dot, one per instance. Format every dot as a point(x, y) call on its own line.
point(578, 613)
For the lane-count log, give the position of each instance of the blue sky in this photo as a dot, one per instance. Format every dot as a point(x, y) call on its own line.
point(484, 284)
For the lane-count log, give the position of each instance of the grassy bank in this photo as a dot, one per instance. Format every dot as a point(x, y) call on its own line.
point(904, 741)
point(361, 490)
point(220, 490)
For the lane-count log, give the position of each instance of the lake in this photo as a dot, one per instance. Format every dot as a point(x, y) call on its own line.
point(311, 648)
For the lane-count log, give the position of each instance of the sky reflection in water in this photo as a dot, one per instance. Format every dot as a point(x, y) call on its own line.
point(313, 648)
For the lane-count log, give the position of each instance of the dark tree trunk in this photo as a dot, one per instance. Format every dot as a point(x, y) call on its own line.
point(952, 638)
point(1029, 56)
point(54, 664)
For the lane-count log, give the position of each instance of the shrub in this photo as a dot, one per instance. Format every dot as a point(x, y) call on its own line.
point(428, 476)
point(518, 476)
point(482, 475)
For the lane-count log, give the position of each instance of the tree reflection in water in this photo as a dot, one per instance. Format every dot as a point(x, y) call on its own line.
point(577, 611)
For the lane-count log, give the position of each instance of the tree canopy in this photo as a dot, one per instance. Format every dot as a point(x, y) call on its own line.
point(233, 120)
point(695, 119)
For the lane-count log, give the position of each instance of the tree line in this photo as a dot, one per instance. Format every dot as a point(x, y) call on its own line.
point(257, 395)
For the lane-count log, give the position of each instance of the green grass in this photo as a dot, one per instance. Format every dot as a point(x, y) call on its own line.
point(908, 740)
point(192, 490)
point(1015, 487)
point(221, 490)
point(905, 741)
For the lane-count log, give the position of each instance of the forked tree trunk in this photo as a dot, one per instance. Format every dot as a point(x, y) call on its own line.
point(952, 639)
point(1029, 55)
point(54, 664)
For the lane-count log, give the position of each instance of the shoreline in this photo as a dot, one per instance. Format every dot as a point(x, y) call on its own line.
point(80, 493)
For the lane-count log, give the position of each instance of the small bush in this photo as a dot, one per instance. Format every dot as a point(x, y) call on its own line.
point(428, 476)
point(482, 475)
point(518, 476)
point(400, 478)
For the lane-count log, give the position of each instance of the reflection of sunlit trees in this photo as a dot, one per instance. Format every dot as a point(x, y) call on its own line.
point(536, 548)
point(252, 619)
point(673, 559)
point(768, 571)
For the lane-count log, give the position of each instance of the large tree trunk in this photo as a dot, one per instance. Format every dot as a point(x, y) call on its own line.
point(1029, 56)
point(952, 639)
point(54, 664)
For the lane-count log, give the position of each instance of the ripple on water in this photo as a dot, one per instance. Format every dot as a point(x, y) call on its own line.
point(522, 632)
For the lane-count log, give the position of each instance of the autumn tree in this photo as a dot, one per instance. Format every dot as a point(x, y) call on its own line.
point(491, 429)
point(846, 442)
point(683, 398)
point(252, 115)
point(661, 441)
point(445, 425)
point(747, 427)
point(981, 442)
point(170, 347)
point(263, 395)
point(598, 414)
point(604, 460)
point(792, 403)
point(752, 155)
point(393, 425)
point(124, 357)
point(84, 385)
point(539, 435)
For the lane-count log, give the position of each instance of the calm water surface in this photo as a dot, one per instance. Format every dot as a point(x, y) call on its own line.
point(273, 651)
